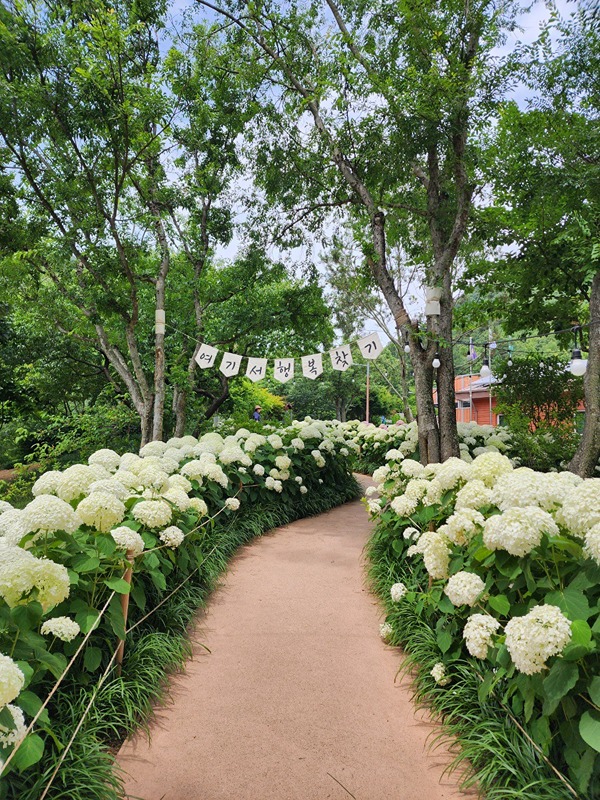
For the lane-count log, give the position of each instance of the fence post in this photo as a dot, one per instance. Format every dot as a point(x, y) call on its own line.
point(124, 609)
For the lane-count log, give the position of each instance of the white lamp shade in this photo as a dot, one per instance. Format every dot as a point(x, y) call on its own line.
point(485, 370)
point(436, 363)
point(578, 367)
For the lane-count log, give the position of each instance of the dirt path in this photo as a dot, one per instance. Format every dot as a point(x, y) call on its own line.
point(297, 699)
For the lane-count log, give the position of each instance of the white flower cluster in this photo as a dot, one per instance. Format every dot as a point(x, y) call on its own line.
point(15, 734)
point(478, 634)
point(462, 526)
point(488, 467)
point(108, 459)
point(592, 543)
point(464, 588)
point(434, 547)
point(63, 628)
point(12, 680)
point(232, 503)
point(581, 508)
point(21, 573)
point(545, 631)
point(172, 536)
point(385, 631)
point(48, 514)
point(101, 510)
point(518, 530)
point(397, 592)
point(13, 526)
point(438, 673)
point(128, 539)
point(152, 513)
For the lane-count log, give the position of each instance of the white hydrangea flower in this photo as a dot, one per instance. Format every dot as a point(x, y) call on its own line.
point(76, 479)
point(298, 479)
point(411, 468)
point(461, 526)
point(155, 448)
point(452, 472)
point(4, 506)
point(12, 680)
point(438, 673)
point(15, 734)
point(581, 508)
point(234, 455)
point(411, 533)
point(275, 441)
point(303, 490)
point(370, 491)
point(152, 513)
point(434, 493)
point(172, 536)
point(592, 543)
point(258, 469)
point(404, 505)
point(48, 514)
point(152, 477)
point(126, 478)
point(478, 634)
point(13, 526)
point(545, 631)
point(178, 497)
point(110, 485)
point(130, 461)
point(381, 474)
point(474, 494)
point(297, 443)
point(273, 485)
point(283, 462)
point(179, 482)
point(394, 455)
point(127, 539)
point(433, 545)
point(397, 592)
point(385, 631)
point(47, 483)
point(464, 588)
point(64, 628)
point(518, 530)
point(101, 510)
point(199, 506)
point(374, 507)
point(232, 503)
point(21, 573)
point(106, 458)
point(318, 457)
point(488, 467)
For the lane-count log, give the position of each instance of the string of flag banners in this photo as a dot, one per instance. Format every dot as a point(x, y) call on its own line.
point(283, 368)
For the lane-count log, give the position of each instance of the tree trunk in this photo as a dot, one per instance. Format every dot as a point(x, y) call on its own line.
point(586, 458)
point(146, 418)
point(406, 409)
point(445, 378)
point(429, 434)
point(179, 410)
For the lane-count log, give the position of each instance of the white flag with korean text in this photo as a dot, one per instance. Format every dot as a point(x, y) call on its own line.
point(230, 364)
point(341, 357)
point(283, 370)
point(312, 366)
point(370, 346)
point(256, 369)
point(206, 355)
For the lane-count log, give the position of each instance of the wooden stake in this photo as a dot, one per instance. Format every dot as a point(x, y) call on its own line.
point(124, 609)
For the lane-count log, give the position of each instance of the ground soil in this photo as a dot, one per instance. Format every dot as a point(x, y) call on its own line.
point(298, 698)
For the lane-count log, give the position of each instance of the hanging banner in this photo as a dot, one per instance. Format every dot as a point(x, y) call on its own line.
point(283, 370)
point(312, 366)
point(256, 369)
point(341, 357)
point(230, 364)
point(205, 357)
point(370, 346)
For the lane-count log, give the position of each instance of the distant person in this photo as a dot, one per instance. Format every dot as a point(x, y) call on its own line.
point(383, 420)
point(256, 413)
point(288, 413)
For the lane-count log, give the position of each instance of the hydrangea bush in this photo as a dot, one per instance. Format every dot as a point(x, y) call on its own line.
point(164, 509)
point(384, 442)
point(503, 565)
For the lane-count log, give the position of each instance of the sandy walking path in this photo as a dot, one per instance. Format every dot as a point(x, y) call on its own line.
point(297, 699)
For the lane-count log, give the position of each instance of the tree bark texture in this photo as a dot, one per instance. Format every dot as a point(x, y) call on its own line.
point(586, 458)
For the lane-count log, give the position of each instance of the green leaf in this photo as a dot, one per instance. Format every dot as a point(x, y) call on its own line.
point(55, 662)
point(31, 704)
point(594, 690)
point(118, 585)
point(29, 752)
point(92, 658)
point(444, 640)
point(560, 680)
point(571, 602)
point(589, 728)
point(500, 603)
point(581, 633)
point(573, 652)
